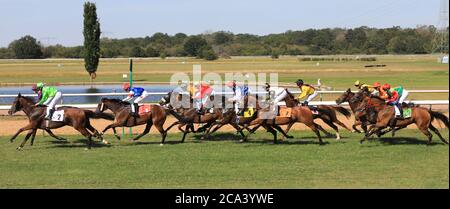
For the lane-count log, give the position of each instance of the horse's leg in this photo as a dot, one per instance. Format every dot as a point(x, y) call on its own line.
point(86, 134)
point(32, 137)
point(357, 123)
point(334, 127)
point(272, 131)
point(173, 124)
point(30, 132)
point(27, 127)
point(278, 128)
point(148, 126)
point(314, 127)
point(54, 136)
point(96, 133)
point(185, 132)
point(436, 131)
point(289, 126)
point(115, 133)
point(160, 128)
point(342, 124)
point(238, 129)
point(254, 128)
point(320, 128)
point(373, 129)
point(427, 133)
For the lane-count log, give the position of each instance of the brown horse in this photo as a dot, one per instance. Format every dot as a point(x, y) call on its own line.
point(420, 116)
point(326, 113)
point(75, 117)
point(354, 102)
point(156, 116)
point(190, 116)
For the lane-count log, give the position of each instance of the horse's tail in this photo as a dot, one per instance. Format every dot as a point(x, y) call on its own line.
point(439, 116)
point(343, 111)
point(98, 115)
point(176, 115)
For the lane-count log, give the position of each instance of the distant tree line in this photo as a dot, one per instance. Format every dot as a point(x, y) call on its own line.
point(362, 40)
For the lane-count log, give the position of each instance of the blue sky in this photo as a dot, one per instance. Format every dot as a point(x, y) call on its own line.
point(58, 21)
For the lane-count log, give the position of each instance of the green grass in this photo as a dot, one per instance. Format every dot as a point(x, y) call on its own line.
point(403, 162)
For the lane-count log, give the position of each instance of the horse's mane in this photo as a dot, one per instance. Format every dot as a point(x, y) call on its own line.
point(29, 99)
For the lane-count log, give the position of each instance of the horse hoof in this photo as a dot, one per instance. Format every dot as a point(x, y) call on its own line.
point(161, 144)
point(19, 148)
point(290, 137)
point(105, 142)
point(86, 149)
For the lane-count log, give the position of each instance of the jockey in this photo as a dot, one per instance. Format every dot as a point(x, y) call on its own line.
point(49, 96)
point(306, 91)
point(392, 99)
point(238, 96)
point(377, 89)
point(360, 85)
point(402, 93)
point(201, 95)
point(276, 94)
point(138, 92)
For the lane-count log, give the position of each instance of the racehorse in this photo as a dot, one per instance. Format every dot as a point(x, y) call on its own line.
point(420, 116)
point(326, 113)
point(190, 115)
point(75, 117)
point(299, 114)
point(121, 110)
point(354, 101)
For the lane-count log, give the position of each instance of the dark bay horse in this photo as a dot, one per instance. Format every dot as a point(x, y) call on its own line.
point(190, 116)
point(121, 110)
point(354, 101)
point(326, 113)
point(75, 117)
point(420, 116)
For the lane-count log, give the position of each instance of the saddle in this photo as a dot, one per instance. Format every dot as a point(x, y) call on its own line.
point(143, 109)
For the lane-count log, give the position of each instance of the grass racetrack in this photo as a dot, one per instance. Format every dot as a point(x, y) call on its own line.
point(401, 162)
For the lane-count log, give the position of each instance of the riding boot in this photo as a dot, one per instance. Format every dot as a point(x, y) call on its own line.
point(136, 110)
point(50, 114)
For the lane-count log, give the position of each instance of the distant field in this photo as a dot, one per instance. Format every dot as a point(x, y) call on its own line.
point(411, 71)
point(401, 162)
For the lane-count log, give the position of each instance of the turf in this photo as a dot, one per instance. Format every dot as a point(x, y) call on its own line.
point(402, 162)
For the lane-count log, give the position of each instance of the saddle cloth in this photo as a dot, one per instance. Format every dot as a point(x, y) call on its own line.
point(143, 109)
point(407, 112)
point(249, 113)
point(58, 116)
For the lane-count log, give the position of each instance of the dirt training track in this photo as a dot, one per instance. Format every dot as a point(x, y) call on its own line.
point(10, 124)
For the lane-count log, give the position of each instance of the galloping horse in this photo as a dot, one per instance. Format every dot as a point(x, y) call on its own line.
point(156, 116)
point(354, 101)
point(190, 116)
point(299, 114)
point(420, 116)
point(75, 117)
point(327, 114)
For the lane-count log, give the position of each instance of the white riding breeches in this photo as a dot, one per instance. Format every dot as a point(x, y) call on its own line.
point(312, 96)
point(403, 97)
point(279, 98)
point(52, 101)
point(142, 97)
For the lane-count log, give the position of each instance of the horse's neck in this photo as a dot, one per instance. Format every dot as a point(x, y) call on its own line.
point(116, 108)
point(28, 109)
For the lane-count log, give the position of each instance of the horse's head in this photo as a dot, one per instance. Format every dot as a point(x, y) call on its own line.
point(345, 97)
point(290, 100)
point(112, 104)
point(360, 95)
point(165, 99)
point(19, 103)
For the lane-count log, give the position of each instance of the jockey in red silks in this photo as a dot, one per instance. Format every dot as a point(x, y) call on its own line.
point(201, 95)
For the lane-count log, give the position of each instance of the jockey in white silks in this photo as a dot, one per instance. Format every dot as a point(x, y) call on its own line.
point(276, 94)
